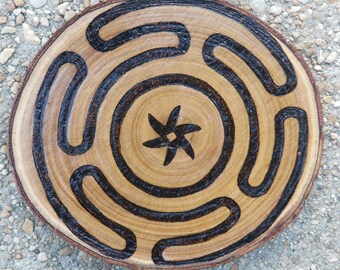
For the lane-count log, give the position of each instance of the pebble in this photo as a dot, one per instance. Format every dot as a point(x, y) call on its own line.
point(36, 21)
point(334, 136)
point(331, 58)
point(6, 54)
point(276, 9)
point(66, 251)
point(20, 19)
point(69, 14)
point(10, 6)
point(15, 88)
point(3, 19)
point(19, 3)
point(38, 3)
point(295, 9)
point(30, 36)
point(8, 30)
point(336, 104)
point(259, 6)
point(8, 238)
point(63, 7)
point(93, 2)
point(42, 257)
point(44, 22)
point(5, 214)
point(28, 226)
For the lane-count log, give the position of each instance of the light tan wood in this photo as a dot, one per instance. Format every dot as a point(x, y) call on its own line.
point(186, 88)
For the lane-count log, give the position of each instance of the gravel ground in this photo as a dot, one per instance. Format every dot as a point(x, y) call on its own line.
point(312, 241)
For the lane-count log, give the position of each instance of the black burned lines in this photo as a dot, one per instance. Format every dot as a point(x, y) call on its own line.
point(114, 76)
point(89, 170)
point(286, 113)
point(41, 166)
point(172, 79)
point(143, 87)
point(262, 73)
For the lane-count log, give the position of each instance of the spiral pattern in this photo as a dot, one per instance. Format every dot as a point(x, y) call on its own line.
point(163, 74)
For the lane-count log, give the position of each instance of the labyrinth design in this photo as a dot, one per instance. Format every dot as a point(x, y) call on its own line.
point(166, 133)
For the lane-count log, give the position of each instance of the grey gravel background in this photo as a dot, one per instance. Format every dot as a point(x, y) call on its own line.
point(311, 242)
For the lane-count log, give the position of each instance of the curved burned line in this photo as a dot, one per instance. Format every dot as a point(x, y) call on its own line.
point(77, 180)
point(225, 71)
point(286, 113)
point(105, 86)
point(41, 166)
point(172, 79)
point(254, 27)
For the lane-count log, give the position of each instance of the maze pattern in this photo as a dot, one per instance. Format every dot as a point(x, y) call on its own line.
point(214, 41)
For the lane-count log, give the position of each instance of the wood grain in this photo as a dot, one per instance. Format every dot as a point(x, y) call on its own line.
point(165, 134)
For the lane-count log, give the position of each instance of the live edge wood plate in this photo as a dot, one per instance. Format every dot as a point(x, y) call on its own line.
point(166, 133)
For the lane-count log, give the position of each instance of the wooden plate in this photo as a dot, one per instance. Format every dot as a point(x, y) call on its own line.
point(166, 133)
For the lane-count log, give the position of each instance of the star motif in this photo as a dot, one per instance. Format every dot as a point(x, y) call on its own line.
point(169, 130)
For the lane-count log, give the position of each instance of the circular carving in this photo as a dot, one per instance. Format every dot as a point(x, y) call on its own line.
point(166, 133)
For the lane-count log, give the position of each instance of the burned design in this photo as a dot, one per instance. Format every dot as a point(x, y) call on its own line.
point(219, 172)
point(172, 136)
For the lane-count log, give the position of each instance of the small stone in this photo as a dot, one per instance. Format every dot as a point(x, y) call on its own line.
point(36, 21)
point(17, 11)
point(94, 2)
point(8, 30)
point(320, 42)
point(3, 19)
point(322, 86)
point(62, 8)
point(4, 149)
point(15, 87)
point(327, 99)
point(295, 9)
point(336, 104)
point(303, 17)
point(5, 214)
point(321, 57)
point(66, 251)
point(69, 14)
point(44, 22)
point(334, 136)
point(19, 3)
point(318, 2)
point(28, 226)
point(8, 238)
point(317, 68)
point(295, 35)
point(331, 58)
point(234, 267)
point(10, 6)
point(8, 208)
point(32, 248)
point(4, 172)
point(258, 6)
point(30, 36)
point(42, 257)
point(18, 256)
point(38, 3)
point(5, 55)
point(20, 19)
point(276, 9)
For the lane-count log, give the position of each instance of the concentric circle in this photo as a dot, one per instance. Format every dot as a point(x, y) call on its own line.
point(166, 133)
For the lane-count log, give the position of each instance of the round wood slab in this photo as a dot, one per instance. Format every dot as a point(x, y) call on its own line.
point(166, 133)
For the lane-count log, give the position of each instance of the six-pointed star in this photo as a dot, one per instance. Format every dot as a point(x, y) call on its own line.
point(165, 140)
